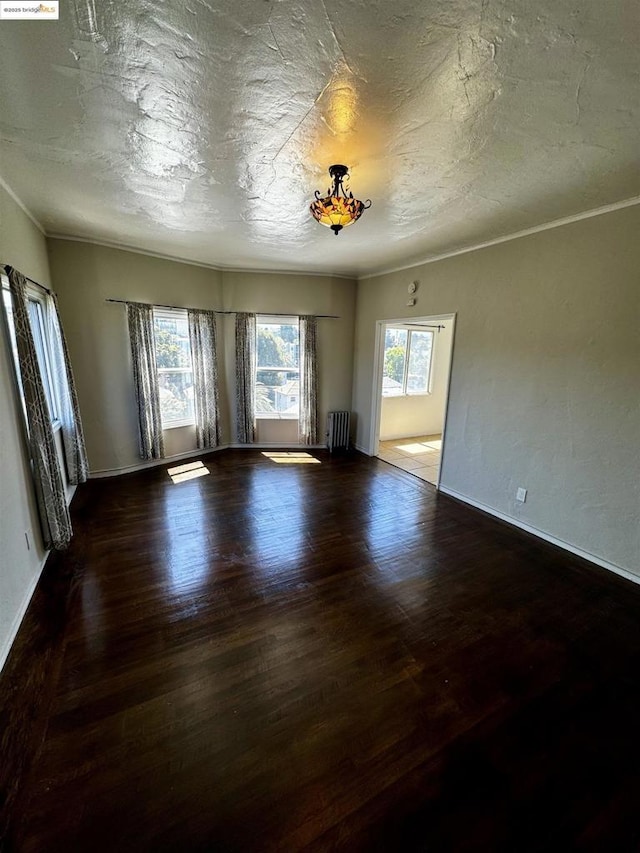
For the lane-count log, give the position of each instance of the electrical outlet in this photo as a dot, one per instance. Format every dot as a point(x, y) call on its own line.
point(521, 495)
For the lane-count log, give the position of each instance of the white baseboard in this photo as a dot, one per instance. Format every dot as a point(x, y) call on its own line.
point(20, 613)
point(167, 460)
point(276, 445)
point(153, 463)
point(567, 546)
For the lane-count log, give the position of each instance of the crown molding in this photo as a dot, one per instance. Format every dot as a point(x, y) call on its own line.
point(124, 247)
point(516, 235)
point(5, 186)
point(536, 229)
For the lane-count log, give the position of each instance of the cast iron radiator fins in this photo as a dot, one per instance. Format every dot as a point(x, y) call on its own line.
point(338, 430)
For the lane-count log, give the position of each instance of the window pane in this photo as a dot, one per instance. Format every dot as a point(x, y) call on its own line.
point(173, 360)
point(420, 346)
point(176, 395)
point(277, 376)
point(8, 305)
point(36, 321)
point(36, 316)
point(395, 352)
point(172, 340)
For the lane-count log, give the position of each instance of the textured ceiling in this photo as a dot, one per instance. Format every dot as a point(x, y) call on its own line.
point(201, 128)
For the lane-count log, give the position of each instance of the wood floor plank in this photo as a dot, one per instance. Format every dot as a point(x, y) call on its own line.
point(323, 657)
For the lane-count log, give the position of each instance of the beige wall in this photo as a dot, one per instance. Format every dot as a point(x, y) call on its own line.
point(85, 275)
point(402, 417)
point(23, 246)
point(545, 383)
point(299, 294)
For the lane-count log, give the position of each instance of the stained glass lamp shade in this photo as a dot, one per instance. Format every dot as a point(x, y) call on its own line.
point(337, 209)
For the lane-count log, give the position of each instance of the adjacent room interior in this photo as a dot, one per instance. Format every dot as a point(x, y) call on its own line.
point(319, 537)
point(410, 406)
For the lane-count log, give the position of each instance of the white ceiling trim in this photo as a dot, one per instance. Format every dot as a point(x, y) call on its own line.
point(123, 247)
point(536, 229)
point(547, 226)
point(465, 124)
point(21, 205)
point(556, 223)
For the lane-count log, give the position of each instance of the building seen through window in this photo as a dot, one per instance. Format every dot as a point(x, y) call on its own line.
point(278, 367)
point(407, 361)
point(173, 362)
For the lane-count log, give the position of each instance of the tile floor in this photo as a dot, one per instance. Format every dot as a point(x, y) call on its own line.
point(419, 455)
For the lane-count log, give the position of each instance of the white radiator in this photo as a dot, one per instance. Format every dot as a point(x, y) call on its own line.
point(338, 430)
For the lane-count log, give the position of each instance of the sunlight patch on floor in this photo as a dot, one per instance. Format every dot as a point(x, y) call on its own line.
point(412, 448)
point(188, 471)
point(291, 458)
point(418, 455)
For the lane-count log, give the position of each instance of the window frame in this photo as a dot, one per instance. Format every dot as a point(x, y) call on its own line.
point(278, 320)
point(411, 330)
point(42, 343)
point(170, 313)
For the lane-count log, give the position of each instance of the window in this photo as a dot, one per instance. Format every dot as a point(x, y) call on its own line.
point(41, 342)
point(175, 372)
point(407, 362)
point(37, 310)
point(278, 367)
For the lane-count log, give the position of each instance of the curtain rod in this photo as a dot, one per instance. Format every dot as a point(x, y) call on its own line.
point(7, 267)
point(216, 311)
point(423, 326)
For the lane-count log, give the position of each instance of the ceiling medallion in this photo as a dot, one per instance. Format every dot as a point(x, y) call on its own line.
point(337, 209)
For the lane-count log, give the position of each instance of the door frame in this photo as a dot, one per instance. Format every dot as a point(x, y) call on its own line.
point(378, 368)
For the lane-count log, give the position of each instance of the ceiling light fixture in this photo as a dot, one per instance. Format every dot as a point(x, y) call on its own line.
point(337, 209)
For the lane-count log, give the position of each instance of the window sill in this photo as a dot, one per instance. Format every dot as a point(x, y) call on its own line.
point(417, 394)
point(274, 416)
point(177, 425)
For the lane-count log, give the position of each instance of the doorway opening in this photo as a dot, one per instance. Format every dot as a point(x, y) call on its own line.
point(411, 390)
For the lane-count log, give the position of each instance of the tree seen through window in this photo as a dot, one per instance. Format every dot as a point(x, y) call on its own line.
point(277, 375)
point(173, 362)
point(407, 361)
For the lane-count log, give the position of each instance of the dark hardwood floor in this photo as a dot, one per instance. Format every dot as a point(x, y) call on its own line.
point(326, 656)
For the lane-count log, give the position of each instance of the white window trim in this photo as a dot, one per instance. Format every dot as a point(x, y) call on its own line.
point(178, 424)
point(35, 294)
point(278, 320)
point(171, 313)
point(276, 416)
point(56, 424)
point(404, 392)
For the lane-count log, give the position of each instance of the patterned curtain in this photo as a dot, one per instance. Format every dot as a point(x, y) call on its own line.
point(69, 413)
point(246, 377)
point(202, 337)
point(50, 493)
point(145, 378)
point(308, 423)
